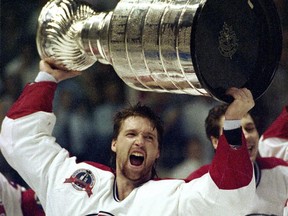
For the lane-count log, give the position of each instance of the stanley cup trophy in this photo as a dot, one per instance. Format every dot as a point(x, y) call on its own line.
point(196, 47)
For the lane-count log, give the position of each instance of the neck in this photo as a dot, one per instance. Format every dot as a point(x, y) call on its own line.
point(123, 188)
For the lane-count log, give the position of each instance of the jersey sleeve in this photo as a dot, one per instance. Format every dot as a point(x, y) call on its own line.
point(231, 166)
point(26, 139)
point(228, 179)
point(274, 141)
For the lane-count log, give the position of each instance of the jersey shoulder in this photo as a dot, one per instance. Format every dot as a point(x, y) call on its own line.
point(198, 173)
point(270, 162)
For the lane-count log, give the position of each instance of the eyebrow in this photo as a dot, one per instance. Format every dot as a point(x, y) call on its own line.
point(145, 133)
point(249, 124)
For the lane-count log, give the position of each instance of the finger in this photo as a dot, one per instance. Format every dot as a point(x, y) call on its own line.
point(247, 92)
point(235, 93)
point(242, 93)
point(231, 91)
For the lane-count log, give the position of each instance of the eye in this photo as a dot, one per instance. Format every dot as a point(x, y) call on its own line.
point(149, 138)
point(250, 129)
point(130, 134)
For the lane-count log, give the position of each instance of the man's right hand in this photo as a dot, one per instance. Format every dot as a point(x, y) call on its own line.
point(242, 103)
point(58, 74)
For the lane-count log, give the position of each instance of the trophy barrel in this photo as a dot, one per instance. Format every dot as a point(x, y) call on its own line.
point(196, 47)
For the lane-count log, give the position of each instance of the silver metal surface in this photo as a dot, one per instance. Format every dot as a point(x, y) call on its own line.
point(146, 41)
point(59, 34)
point(196, 47)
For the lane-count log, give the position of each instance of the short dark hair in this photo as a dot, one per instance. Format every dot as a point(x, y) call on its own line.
point(141, 111)
point(212, 121)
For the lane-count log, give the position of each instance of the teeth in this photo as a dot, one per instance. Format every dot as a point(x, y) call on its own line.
point(137, 154)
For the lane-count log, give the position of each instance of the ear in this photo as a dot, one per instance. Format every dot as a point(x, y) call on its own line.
point(214, 141)
point(158, 154)
point(113, 145)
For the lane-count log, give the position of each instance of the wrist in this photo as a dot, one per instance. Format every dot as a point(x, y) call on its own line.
point(231, 124)
point(44, 76)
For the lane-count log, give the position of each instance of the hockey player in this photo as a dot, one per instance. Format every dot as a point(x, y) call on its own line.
point(66, 187)
point(271, 173)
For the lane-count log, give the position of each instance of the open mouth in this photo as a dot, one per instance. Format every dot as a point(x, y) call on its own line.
point(136, 159)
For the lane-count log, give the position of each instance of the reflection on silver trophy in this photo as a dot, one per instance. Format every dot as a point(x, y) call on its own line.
point(151, 44)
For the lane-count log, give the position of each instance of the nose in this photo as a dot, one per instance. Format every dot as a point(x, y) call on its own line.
point(246, 134)
point(250, 137)
point(139, 141)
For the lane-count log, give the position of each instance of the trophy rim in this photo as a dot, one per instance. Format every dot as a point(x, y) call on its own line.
point(263, 76)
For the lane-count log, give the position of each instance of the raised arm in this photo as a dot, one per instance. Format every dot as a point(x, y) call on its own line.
point(26, 139)
point(229, 178)
point(231, 166)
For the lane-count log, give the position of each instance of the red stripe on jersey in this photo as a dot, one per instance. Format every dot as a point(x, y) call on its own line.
point(279, 127)
point(270, 162)
point(2, 210)
point(100, 166)
point(198, 173)
point(35, 97)
point(29, 204)
point(231, 168)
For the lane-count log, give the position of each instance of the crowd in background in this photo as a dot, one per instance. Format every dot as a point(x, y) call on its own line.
point(85, 105)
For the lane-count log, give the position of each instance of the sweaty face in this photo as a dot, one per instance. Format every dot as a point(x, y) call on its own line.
point(251, 135)
point(136, 149)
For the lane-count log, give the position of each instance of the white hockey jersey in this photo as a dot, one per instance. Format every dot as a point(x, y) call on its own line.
point(274, 141)
point(271, 186)
point(16, 200)
point(10, 197)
